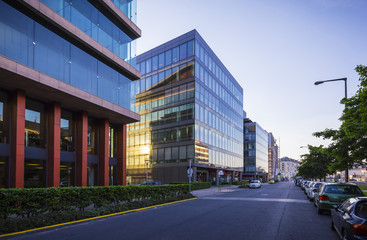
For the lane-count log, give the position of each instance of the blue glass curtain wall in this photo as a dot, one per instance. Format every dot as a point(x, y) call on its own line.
point(128, 7)
point(88, 19)
point(25, 41)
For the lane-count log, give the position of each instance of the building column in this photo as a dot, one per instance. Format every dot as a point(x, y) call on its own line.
point(121, 155)
point(17, 139)
point(217, 177)
point(103, 152)
point(81, 149)
point(53, 164)
point(194, 174)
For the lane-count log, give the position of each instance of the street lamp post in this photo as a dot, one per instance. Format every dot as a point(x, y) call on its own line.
point(346, 96)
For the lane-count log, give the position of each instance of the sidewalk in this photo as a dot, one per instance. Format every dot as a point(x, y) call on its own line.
point(214, 190)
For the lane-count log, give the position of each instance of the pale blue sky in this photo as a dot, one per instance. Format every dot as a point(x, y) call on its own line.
point(276, 50)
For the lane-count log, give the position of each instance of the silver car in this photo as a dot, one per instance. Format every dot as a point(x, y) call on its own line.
point(311, 191)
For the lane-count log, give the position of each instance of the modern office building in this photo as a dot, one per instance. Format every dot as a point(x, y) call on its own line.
point(191, 111)
point(66, 67)
point(288, 167)
point(272, 157)
point(256, 160)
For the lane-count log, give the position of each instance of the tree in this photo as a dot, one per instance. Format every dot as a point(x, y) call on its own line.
point(316, 163)
point(339, 150)
point(354, 118)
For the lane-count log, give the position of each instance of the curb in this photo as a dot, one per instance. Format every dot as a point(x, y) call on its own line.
point(93, 218)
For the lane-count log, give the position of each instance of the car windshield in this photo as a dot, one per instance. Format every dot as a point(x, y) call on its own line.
point(342, 189)
point(254, 181)
point(317, 185)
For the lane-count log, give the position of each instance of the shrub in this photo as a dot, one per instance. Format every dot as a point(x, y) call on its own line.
point(27, 202)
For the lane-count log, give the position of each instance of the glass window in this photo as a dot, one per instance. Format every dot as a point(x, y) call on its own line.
point(190, 48)
point(34, 173)
point(112, 175)
point(52, 54)
point(83, 70)
point(183, 51)
point(66, 131)
point(174, 153)
point(17, 35)
point(4, 172)
point(148, 66)
point(112, 142)
point(155, 63)
point(35, 125)
point(92, 136)
point(154, 79)
point(175, 56)
point(160, 155)
point(167, 154)
point(168, 55)
point(67, 174)
point(182, 152)
point(142, 68)
point(161, 60)
point(148, 83)
point(182, 91)
point(4, 118)
point(92, 174)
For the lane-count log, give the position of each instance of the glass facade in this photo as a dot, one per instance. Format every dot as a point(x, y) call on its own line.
point(191, 109)
point(255, 148)
point(27, 42)
point(28, 39)
point(88, 19)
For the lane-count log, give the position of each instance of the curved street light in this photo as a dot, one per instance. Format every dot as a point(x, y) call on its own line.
point(345, 88)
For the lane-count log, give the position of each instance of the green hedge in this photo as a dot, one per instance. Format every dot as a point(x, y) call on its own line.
point(26, 202)
point(196, 185)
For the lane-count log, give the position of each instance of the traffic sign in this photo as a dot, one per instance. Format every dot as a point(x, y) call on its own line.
point(220, 173)
point(190, 171)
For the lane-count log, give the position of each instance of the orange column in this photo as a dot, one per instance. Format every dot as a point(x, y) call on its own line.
point(121, 155)
point(17, 139)
point(103, 152)
point(53, 166)
point(81, 149)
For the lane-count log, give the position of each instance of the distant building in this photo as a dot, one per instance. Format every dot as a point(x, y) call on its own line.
point(256, 159)
point(288, 167)
point(191, 111)
point(273, 156)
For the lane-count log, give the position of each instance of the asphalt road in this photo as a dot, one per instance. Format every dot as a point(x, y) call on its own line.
point(279, 211)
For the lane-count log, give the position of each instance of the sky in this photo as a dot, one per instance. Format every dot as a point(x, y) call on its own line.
point(276, 50)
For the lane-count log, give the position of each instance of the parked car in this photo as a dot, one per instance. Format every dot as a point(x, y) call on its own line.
point(271, 181)
point(311, 191)
point(150, 183)
point(331, 195)
point(255, 184)
point(350, 219)
point(307, 186)
point(303, 184)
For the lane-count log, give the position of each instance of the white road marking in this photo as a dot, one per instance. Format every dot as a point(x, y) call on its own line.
point(257, 199)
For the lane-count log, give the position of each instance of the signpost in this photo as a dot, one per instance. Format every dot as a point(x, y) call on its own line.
point(220, 173)
point(189, 174)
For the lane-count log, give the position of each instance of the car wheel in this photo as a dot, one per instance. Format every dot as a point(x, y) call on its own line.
point(310, 199)
point(344, 235)
point(319, 211)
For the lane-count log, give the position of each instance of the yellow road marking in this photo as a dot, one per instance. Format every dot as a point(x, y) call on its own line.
point(88, 219)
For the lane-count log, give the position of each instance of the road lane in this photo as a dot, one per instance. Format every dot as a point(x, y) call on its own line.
point(278, 211)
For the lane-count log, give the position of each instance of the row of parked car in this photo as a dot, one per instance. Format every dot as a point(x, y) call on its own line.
point(346, 203)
